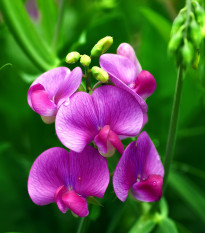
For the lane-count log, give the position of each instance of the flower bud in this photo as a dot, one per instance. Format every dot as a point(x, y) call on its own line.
point(100, 74)
point(179, 20)
point(196, 60)
point(195, 33)
point(187, 52)
point(175, 41)
point(72, 57)
point(85, 60)
point(102, 46)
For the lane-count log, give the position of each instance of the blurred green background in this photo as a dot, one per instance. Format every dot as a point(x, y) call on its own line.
point(146, 26)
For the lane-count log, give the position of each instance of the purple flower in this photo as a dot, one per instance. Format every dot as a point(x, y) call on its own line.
point(68, 178)
point(107, 116)
point(125, 72)
point(139, 170)
point(51, 89)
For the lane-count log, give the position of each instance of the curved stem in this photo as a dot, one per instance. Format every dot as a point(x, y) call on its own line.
point(173, 125)
point(81, 226)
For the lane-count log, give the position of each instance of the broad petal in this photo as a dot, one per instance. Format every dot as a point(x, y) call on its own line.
point(118, 109)
point(126, 50)
point(42, 104)
point(48, 173)
point(90, 172)
point(119, 66)
point(52, 80)
point(148, 190)
point(78, 205)
point(139, 160)
point(36, 87)
point(69, 86)
point(76, 123)
point(150, 158)
point(119, 82)
point(145, 84)
point(125, 173)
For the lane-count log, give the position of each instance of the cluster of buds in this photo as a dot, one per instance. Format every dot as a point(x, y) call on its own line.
point(187, 33)
point(101, 47)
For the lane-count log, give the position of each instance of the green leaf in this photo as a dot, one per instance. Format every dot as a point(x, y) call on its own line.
point(162, 25)
point(48, 18)
point(189, 193)
point(143, 226)
point(5, 65)
point(92, 200)
point(166, 225)
point(24, 32)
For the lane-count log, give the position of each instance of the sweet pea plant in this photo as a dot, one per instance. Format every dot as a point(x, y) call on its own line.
point(100, 112)
point(101, 116)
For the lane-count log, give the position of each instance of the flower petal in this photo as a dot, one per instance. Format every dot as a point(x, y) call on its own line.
point(90, 172)
point(139, 160)
point(126, 50)
point(118, 109)
point(118, 80)
point(145, 84)
point(148, 190)
point(52, 80)
point(76, 123)
point(78, 205)
point(58, 198)
point(48, 173)
point(119, 66)
point(68, 86)
point(42, 104)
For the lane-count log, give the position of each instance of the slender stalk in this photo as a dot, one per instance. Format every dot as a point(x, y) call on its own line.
point(173, 125)
point(96, 85)
point(58, 25)
point(81, 225)
point(87, 78)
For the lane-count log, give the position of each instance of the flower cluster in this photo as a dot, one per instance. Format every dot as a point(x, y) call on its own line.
point(102, 118)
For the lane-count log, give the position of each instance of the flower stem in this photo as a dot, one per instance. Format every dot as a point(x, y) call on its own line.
point(87, 79)
point(173, 125)
point(81, 226)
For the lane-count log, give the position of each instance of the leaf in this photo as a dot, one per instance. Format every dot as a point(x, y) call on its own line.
point(189, 193)
point(166, 225)
point(48, 17)
point(162, 25)
point(92, 200)
point(24, 32)
point(143, 226)
point(5, 65)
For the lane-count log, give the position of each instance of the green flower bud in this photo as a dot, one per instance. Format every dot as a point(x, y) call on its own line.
point(99, 74)
point(196, 60)
point(175, 41)
point(85, 60)
point(179, 20)
point(102, 46)
point(72, 57)
point(187, 52)
point(195, 33)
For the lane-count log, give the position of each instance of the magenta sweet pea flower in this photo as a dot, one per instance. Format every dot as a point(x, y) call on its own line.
point(51, 89)
point(139, 170)
point(125, 71)
point(106, 117)
point(68, 178)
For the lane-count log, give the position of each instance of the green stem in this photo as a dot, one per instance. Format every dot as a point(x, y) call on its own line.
point(87, 79)
point(58, 25)
point(81, 226)
point(173, 125)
